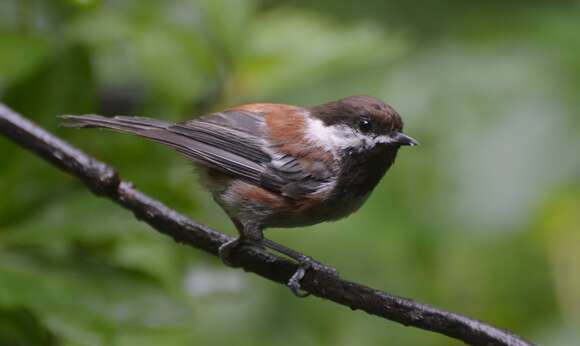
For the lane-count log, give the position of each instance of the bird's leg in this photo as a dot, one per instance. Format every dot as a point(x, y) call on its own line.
point(252, 235)
point(248, 235)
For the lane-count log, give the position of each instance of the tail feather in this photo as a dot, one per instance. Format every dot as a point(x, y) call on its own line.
point(119, 123)
point(151, 129)
point(220, 158)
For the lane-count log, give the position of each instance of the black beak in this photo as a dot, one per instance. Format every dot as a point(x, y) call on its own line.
point(399, 138)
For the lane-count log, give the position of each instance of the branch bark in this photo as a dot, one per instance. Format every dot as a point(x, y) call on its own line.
point(103, 180)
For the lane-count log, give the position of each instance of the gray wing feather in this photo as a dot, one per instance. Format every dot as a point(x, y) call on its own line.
point(232, 142)
point(218, 157)
point(239, 132)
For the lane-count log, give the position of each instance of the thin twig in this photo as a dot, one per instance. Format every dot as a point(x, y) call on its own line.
point(103, 180)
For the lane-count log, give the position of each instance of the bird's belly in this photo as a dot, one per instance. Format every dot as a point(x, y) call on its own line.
point(326, 211)
point(248, 203)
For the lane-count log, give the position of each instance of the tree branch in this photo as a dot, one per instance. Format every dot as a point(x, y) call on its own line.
point(104, 181)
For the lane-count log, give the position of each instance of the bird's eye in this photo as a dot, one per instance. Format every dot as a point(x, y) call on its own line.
point(365, 125)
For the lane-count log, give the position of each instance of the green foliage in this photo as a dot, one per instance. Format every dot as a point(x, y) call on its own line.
point(19, 327)
point(481, 219)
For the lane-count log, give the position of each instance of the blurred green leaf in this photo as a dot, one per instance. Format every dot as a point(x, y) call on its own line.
point(63, 85)
point(99, 297)
point(21, 55)
point(332, 61)
point(19, 327)
point(84, 4)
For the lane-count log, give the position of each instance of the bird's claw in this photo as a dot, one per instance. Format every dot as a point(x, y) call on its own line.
point(294, 282)
point(307, 263)
point(226, 249)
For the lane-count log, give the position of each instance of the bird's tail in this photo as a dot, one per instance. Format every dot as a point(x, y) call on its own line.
point(152, 129)
point(135, 125)
point(174, 136)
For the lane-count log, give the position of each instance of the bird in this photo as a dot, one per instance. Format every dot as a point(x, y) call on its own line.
point(277, 165)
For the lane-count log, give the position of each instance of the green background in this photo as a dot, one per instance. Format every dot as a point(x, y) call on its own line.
point(482, 219)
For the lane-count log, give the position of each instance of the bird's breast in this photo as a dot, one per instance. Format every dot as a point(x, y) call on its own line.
point(361, 172)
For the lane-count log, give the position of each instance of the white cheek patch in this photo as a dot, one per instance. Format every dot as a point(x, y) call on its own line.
point(332, 137)
point(340, 137)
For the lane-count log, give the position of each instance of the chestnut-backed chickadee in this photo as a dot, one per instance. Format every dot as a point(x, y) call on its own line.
point(275, 165)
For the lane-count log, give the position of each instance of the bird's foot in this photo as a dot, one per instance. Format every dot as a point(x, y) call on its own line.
point(307, 263)
point(227, 249)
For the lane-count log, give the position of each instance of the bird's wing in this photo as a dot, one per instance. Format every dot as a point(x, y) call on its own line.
point(205, 141)
point(243, 136)
point(243, 132)
point(234, 142)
